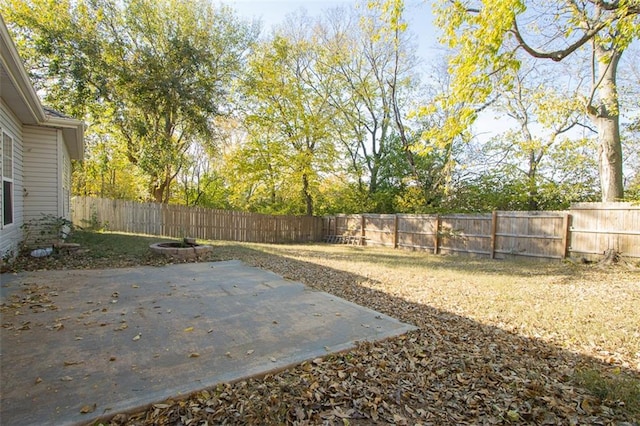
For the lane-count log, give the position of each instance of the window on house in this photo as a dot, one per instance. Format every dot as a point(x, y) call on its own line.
point(7, 179)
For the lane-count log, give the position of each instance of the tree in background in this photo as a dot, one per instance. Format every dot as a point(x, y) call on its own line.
point(324, 115)
point(488, 36)
point(158, 72)
point(374, 74)
point(289, 110)
point(545, 110)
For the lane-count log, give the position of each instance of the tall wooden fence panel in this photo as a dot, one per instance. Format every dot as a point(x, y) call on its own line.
point(465, 234)
point(533, 234)
point(598, 227)
point(196, 222)
point(586, 229)
point(417, 231)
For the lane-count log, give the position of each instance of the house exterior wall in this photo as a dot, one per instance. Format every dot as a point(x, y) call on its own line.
point(42, 172)
point(11, 235)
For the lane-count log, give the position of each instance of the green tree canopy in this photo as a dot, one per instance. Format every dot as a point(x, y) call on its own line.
point(158, 71)
point(489, 36)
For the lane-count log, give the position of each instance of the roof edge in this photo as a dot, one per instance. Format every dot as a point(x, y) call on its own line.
point(73, 132)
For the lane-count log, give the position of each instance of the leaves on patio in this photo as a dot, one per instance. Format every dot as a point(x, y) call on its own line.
point(88, 409)
point(35, 297)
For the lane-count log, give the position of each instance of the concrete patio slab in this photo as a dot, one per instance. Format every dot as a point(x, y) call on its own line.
point(109, 341)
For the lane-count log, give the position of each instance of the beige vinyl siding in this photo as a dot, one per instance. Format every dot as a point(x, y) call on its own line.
point(11, 235)
point(42, 172)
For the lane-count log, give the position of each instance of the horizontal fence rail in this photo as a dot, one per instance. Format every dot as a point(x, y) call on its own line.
point(195, 222)
point(586, 230)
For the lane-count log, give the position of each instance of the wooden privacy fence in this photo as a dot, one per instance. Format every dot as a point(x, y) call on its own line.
point(196, 222)
point(586, 230)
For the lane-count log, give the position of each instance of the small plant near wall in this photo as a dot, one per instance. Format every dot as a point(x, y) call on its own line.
point(46, 231)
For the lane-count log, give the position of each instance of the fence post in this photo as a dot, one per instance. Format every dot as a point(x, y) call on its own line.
point(566, 230)
point(436, 235)
point(363, 233)
point(494, 227)
point(395, 231)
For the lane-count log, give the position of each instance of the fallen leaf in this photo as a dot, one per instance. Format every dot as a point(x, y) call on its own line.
point(250, 351)
point(137, 337)
point(188, 329)
point(68, 363)
point(88, 409)
point(194, 355)
point(210, 330)
point(38, 380)
point(513, 415)
point(66, 378)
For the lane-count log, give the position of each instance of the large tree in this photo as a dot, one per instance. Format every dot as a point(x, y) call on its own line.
point(374, 73)
point(157, 71)
point(288, 93)
point(489, 35)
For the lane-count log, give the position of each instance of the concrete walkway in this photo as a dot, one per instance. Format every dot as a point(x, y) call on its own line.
point(108, 341)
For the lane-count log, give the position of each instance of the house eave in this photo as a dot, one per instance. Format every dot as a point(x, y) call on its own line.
point(73, 133)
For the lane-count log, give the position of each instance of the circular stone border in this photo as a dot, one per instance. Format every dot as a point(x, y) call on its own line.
point(189, 252)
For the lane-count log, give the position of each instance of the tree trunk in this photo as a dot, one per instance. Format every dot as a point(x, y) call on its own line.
point(307, 196)
point(157, 191)
point(606, 116)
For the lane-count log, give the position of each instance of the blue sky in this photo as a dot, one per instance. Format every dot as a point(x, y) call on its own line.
point(272, 12)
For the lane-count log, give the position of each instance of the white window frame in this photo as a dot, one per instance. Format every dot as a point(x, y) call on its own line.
point(8, 179)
